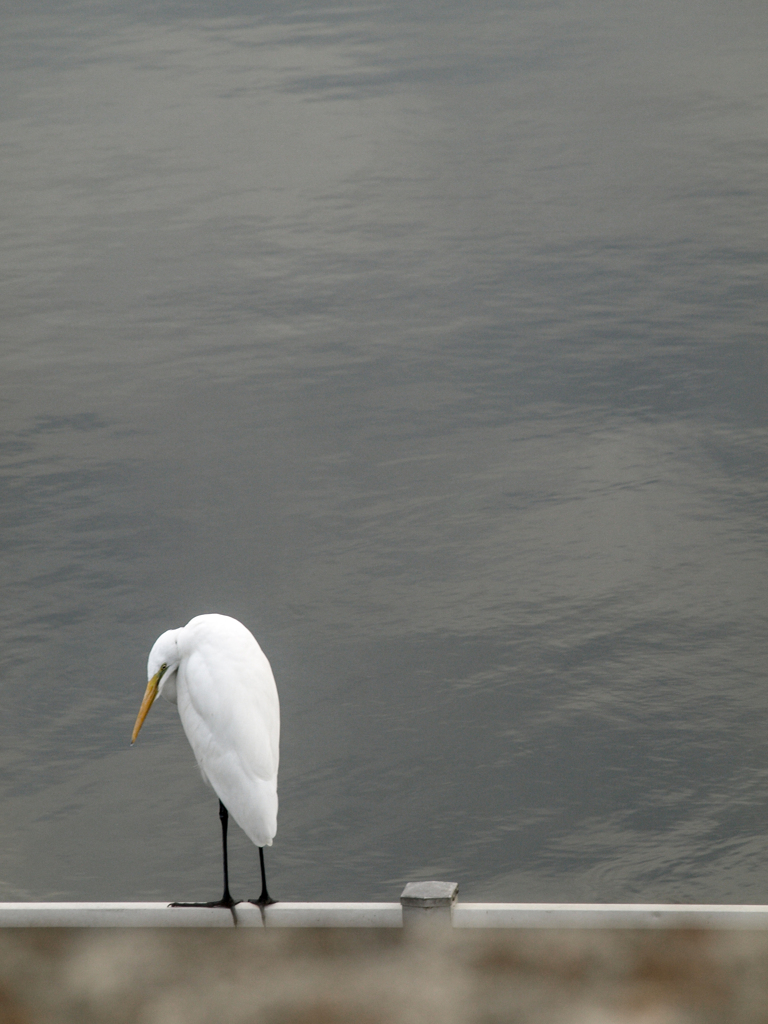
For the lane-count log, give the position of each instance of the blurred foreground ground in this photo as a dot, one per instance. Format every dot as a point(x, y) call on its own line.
point(379, 976)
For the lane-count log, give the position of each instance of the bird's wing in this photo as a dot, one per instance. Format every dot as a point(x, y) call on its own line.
point(229, 710)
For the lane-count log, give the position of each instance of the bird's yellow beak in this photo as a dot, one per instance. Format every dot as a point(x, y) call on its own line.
point(146, 704)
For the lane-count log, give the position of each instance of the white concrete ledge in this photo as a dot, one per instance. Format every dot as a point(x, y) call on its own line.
point(331, 915)
point(110, 915)
point(382, 915)
point(160, 915)
point(608, 915)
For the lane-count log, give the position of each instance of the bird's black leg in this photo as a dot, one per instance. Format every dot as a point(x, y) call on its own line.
point(226, 900)
point(265, 899)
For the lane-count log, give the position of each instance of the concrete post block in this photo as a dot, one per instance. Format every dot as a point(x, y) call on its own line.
point(428, 902)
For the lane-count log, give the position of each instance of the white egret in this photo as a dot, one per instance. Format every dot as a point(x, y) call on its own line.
point(215, 672)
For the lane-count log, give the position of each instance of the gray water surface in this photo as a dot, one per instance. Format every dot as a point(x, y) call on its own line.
point(429, 341)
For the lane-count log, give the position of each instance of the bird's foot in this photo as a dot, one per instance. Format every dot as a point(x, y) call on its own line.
point(226, 902)
point(265, 900)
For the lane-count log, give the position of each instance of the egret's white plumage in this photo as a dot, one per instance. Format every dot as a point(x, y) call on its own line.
point(215, 672)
